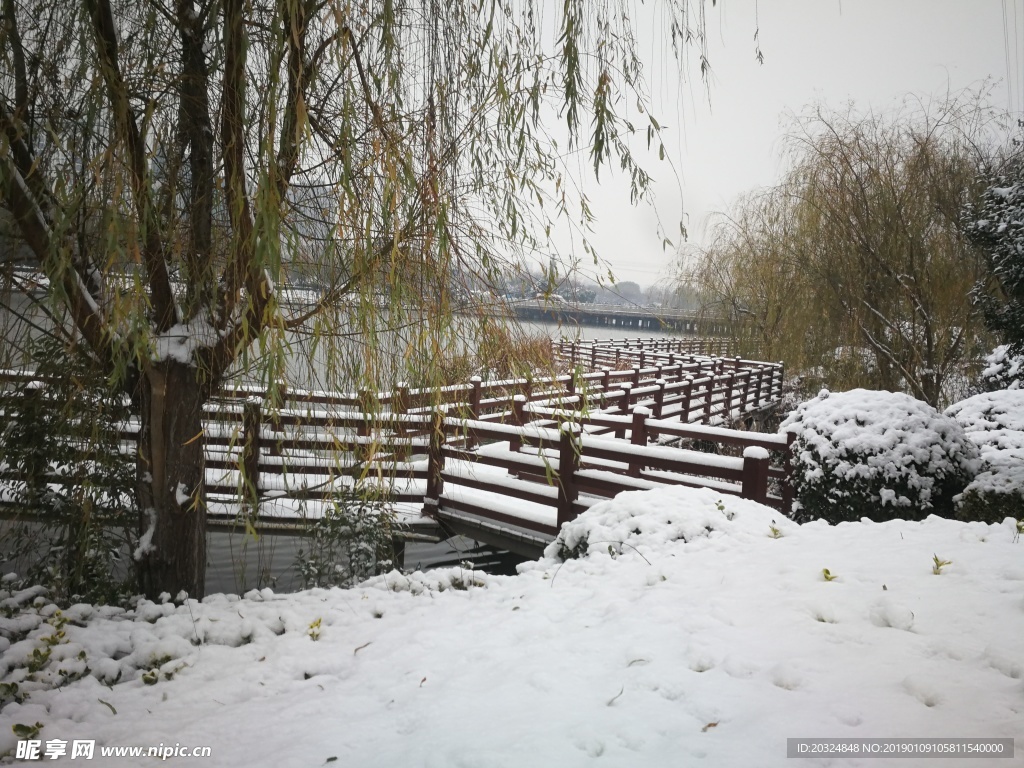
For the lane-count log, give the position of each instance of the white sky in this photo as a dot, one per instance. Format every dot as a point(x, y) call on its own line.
point(870, 52)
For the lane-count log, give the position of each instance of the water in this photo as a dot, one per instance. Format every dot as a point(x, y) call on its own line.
point(237, 564)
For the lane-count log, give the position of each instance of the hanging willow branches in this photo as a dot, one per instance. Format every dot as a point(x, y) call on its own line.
point(214, 186)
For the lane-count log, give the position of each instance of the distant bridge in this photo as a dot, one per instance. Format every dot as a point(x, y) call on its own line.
point(619, 316)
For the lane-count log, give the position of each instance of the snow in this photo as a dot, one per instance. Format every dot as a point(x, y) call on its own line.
point(700, 630)
point(146, 540)
point(994, 422)
point(180, 341)
point(1003, 370)
point(877, 436)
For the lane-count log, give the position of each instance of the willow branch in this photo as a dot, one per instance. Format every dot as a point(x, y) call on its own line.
point(130, 136)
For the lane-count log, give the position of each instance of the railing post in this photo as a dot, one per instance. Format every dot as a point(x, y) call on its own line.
point(366, 405)
point(659, 397)
point(435, 465)
point(708, 396)
point(758, 387)
point(638, 436)
point(568, 464)
point(275, 417)
point(251, 427)
point(399, 408)
point(474, 408)
point(730, 383)
point(755, 474)
point(593, 357)
point(474, 398)
point(684, 414)
point(515, 443)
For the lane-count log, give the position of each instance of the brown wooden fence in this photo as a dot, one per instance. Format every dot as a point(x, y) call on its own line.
point(571, 439)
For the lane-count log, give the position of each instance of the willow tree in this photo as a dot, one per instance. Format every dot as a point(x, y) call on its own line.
point(854, 269)
point(180, 167)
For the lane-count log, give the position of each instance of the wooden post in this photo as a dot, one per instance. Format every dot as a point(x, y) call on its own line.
point(568, 464)
point(709, 392)
point(400, 407)
point(758, 386)
point(755, 474)
point(636, 375)
point(474, 408)
point(730, 381)
point(659, 397)
point(251, 439)
point(435, 466)
point(593, 357)
point(275, 418)
point(684, 413)
point(474, 398)
point(366, 406)
point(518, 419)
point(638, 436)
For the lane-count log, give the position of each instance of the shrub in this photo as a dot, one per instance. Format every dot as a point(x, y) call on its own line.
point(1002, 370)
point(879, 455)
point(350, 542)
point(70, 480)
point(994, 422)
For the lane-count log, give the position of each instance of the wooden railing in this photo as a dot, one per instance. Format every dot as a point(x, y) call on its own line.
point(419, 442)
point(561, 471)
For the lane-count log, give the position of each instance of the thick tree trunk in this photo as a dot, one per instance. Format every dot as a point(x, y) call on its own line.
point(172, 550)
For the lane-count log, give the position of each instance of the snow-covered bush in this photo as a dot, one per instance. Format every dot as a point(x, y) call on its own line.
point(879, 455)
point(644, 523)
point(1002, 370)
point(994, 422)
point(350, 542)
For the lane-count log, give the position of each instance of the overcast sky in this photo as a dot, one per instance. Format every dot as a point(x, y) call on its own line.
point(726, 139)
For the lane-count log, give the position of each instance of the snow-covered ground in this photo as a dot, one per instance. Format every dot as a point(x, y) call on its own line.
point(696, 632)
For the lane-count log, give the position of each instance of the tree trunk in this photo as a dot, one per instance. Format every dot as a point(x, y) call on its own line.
point(170, 477)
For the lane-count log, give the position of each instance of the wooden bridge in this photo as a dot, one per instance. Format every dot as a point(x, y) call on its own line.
point(505, 462)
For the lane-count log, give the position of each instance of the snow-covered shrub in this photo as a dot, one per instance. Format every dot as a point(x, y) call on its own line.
point(994, 422)
point(879, 455)
point(1002, 370)
point(644, 523)
point(350, 542)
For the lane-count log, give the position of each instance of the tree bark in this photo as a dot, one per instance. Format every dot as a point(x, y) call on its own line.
point(170, 480)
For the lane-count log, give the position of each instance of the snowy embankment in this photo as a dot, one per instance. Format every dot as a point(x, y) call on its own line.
point(695, 632)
